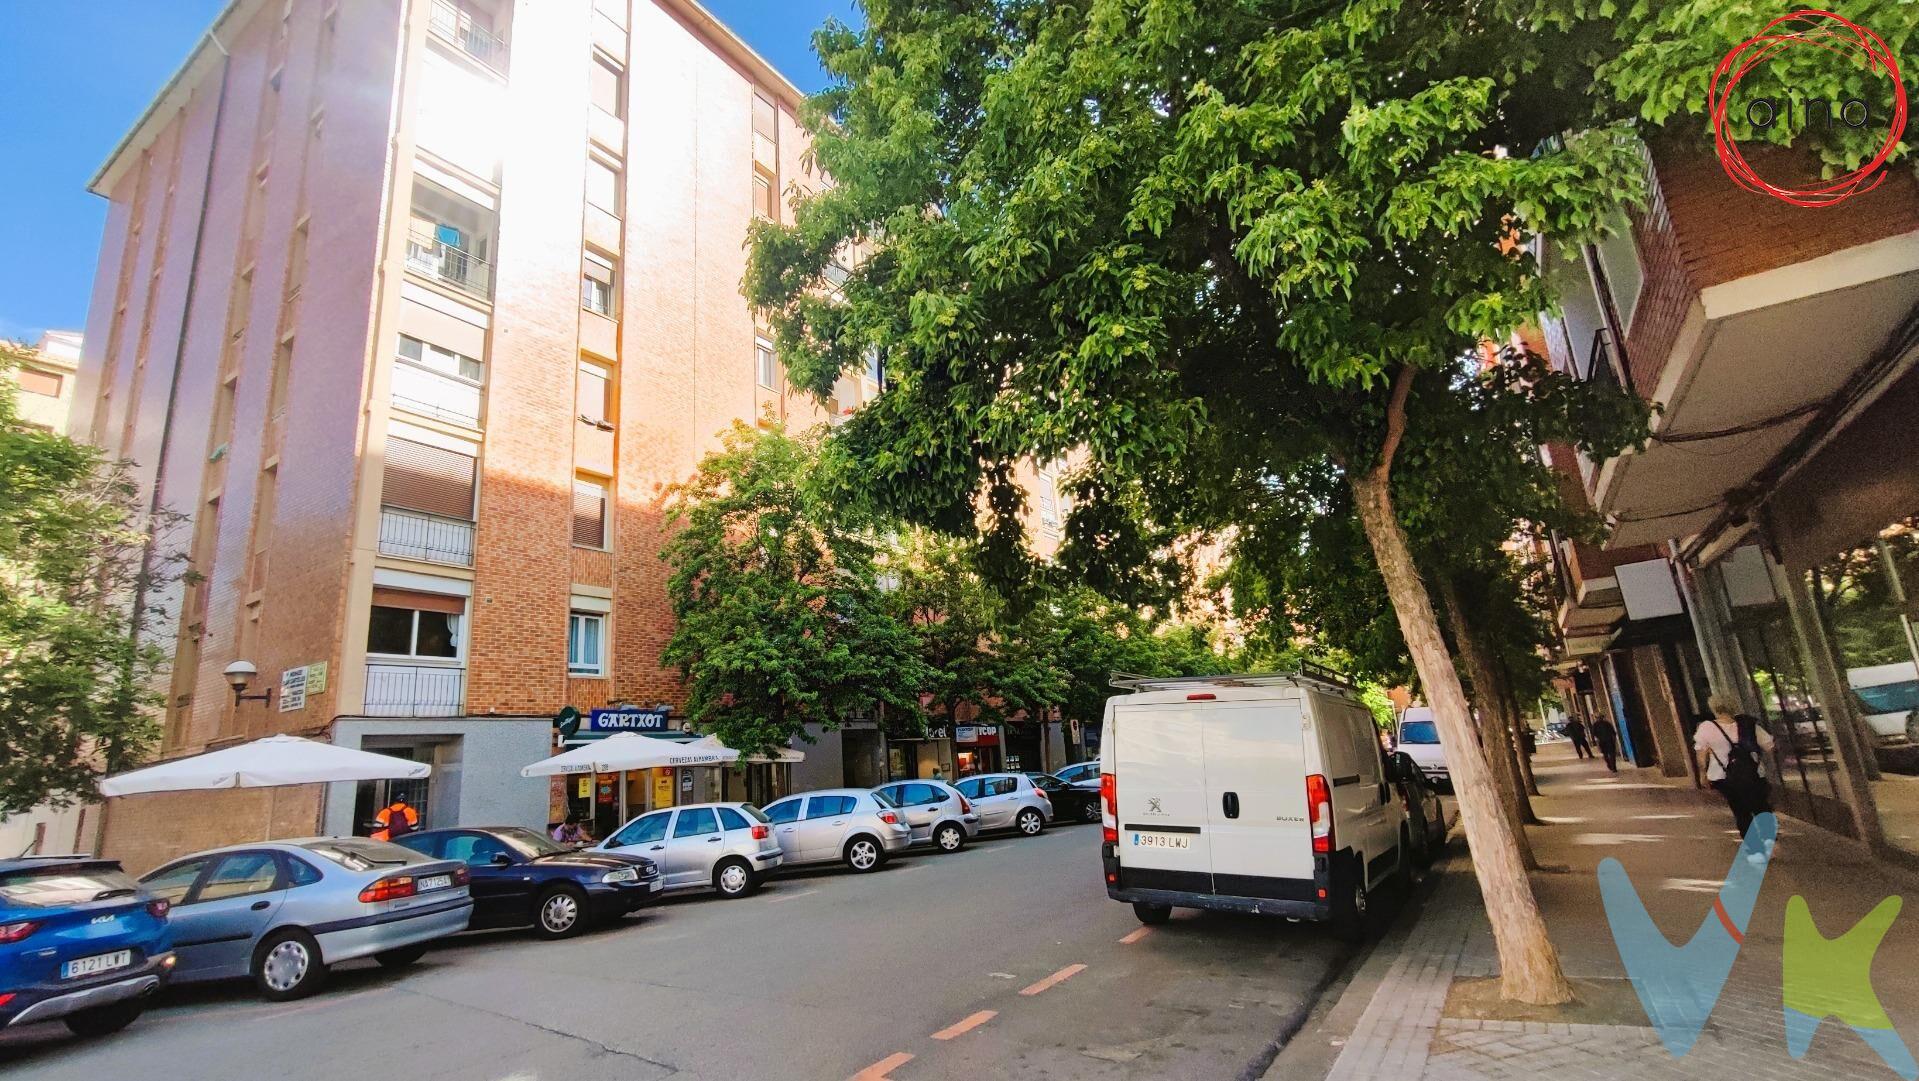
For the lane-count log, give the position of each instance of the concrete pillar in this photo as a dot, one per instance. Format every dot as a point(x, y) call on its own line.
point(1669, 736)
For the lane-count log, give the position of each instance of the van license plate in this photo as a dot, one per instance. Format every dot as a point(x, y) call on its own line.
point(435, 882)
point(1162, 840)
point(98, 963)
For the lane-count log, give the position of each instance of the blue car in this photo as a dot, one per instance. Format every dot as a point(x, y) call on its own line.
point(80, 942)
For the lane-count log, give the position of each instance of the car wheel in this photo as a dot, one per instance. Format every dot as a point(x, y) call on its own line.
point(1405, 869)
point(104, 1020)
point(287, 965)
point(1030, 822)
point(733, 878)
point(401, 957)
point(864, 854)
point(949, 837)
point(1349, 913)
point(561, 913)
point(1152, 915)
point(1089, 811)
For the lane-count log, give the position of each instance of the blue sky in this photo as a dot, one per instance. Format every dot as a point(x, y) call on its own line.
point(61, 118)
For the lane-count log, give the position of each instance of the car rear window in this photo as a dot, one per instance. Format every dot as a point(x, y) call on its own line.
point(1900, 697)
point(58, 887)
point(359, 854)
point(731, 819)
point(1418, 732)
point(884, 800)
point(755, 813)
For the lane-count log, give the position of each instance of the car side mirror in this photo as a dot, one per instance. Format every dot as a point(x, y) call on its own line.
point(613, 842)
point(501, 859)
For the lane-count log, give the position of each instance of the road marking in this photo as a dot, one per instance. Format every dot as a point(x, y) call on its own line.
point(1061, 976)
point(968, 1025)
point(879, 1070)
point(1136, 936)
point(790, 896)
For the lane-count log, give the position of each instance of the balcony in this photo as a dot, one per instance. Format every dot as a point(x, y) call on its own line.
point(421, 390)
point(414, 690)
point(431, 538)
point(430, 257)
point(455, 26)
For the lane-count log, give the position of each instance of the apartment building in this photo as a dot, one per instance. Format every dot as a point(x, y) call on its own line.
point(43, 381)
point(1762, 546)
point(412, 311)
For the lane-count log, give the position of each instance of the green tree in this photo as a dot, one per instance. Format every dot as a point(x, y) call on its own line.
point(1205, 243)
point(779, 622)
point(79, 678)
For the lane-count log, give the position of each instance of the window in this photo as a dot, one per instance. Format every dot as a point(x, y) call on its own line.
point(921, 794)
point(282, 374)
point(42, 383)
point(696, 822)
point(422, 354)
point(300, 872)
point(766, 117)
point(475, 849)
point(240, 874)
point(434, 480)
point(606, 86)
point(731, 819)
point(585, 644)
point(405, 623)
point(597, 278)
point(1001, 786)
point(766, 363)
point(885, 800)
point(784, 811)
point(764, 205)
point(589, 514)
point(603, 186)
point(58, 887)
point(969, 787)
point(171, 884)
point(875, 366)
point(297, 259)
point(828, 806)
point(595, 393)
point(643, 831)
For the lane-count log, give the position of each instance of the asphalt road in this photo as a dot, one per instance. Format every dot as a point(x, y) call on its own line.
point(1009, 950)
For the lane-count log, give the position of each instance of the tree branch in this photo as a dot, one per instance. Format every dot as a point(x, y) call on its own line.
point(1395, 421)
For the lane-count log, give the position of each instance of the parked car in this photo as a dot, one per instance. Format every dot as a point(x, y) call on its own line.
point(728, 846)
point(1887, 697)
point(1418, 736)
point(1072, 802)
point(521, 877)
point(936, 813)
point(283, 912)
point(859, 827)
point(1258, 793)
point(80, 942)
point(1425, 813)
point(1080, 773)
point(1008, 801)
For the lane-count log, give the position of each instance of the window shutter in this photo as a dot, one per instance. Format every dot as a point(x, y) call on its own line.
point(589, 515)
point(38, 382)
point(766, 117)
point(388, 597)
point(430, 479)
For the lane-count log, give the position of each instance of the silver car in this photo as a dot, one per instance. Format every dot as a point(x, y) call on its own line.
point(859, 827)
point(283, 911)
point(1079, 773)
point(935, 813)
point(728, 846)
point(1008, 801)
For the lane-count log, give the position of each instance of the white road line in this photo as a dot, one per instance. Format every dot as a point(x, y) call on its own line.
point(790, 896)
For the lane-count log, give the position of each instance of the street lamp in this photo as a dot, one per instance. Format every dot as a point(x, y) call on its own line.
point(241, 673)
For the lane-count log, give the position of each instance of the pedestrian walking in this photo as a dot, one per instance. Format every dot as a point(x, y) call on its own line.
point(1735, 747)
point(1576, 731)
point(395, 820)
point(1606, 738)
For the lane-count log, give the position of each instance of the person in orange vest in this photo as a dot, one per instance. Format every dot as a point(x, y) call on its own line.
point(395, 820)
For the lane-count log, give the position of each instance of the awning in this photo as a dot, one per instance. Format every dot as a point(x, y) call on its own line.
point(633, 750)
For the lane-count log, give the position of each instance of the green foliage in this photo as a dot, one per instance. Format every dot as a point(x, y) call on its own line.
point(78, 678)
point(779, 621)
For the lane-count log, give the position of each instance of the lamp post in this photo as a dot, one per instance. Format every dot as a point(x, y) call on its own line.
point(241, 673)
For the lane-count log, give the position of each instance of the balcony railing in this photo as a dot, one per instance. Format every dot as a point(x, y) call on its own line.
point(456, 27)
point(414, 690)
point(428, 255)
point(412, 534)
point(435, 394)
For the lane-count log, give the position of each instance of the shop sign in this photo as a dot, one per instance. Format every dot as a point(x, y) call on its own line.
point(686, 782)
point(605, 722)
point(965, 733)
point(586, 787)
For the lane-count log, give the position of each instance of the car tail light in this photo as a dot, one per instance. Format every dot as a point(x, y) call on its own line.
point(965, 807)
point(14, 932)
point(462, 876)
point(761, 833)
point(6, 998)
point(1108, 808)
point(889, 818)
point(159, 909)
point(1319, 810)
point(1201, 697)
point(389, 889)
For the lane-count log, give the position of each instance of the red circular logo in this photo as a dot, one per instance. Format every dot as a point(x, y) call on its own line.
point(1842, 38)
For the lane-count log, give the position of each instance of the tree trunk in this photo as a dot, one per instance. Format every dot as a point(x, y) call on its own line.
point(1505, 676)
point(1529, 965)
point(1495, 734)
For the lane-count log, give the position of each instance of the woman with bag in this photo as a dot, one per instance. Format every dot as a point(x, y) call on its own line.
point(1736, 749)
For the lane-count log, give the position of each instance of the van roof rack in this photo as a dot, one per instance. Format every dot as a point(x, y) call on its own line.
point(1307, 672)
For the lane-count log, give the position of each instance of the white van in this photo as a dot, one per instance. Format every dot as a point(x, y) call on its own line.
point(1254, 793)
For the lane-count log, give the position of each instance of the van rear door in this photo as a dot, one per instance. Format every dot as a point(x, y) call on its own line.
point(1159, 781)
point(1261, 842)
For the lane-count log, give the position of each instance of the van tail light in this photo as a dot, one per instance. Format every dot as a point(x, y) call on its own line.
point(389, 889)
point(889, 818)
point(1108, 809)
point(14, 932)
point(158, 909)
point(761, 833)
point(1319, 810)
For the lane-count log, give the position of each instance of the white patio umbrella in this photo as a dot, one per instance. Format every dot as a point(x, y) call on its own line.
point(633, 751)
point(273, 762)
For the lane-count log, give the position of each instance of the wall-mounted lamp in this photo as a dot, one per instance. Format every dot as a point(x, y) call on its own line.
point(241, 673)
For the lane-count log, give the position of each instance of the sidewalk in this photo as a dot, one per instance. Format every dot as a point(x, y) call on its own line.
point(1426, 990)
